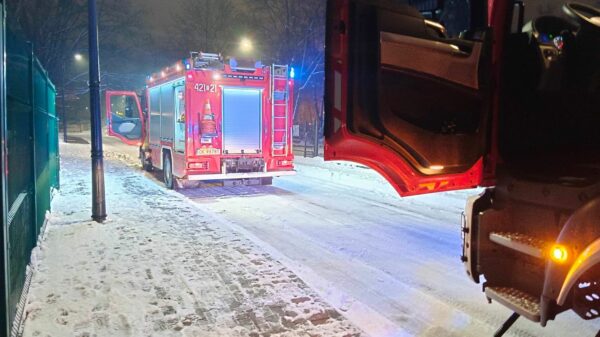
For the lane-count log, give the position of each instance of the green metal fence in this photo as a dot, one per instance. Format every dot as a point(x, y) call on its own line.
point(32, 162)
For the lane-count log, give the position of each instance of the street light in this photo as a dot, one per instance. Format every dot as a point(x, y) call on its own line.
point(246, 45)
point(78, 58)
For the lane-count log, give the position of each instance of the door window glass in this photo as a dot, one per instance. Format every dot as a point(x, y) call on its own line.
point(125, 117)
point(453, 16)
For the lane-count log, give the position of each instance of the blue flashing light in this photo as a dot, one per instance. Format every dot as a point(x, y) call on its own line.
point(292, 73)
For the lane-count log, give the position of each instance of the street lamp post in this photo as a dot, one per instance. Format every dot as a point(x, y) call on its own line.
point(62, 103)
point(98, 196)
point(78, 57)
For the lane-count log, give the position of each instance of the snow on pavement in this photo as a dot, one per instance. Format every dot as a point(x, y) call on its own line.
point(388, 264)
point(159, 266)
point(346, 233)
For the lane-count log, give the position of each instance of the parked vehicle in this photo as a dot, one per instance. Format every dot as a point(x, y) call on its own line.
point(204, 119)
point(496, 103)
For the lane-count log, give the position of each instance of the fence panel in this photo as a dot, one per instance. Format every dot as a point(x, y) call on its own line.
point(53, 151)
point(43, 121)
point(21, 200)
point(31, 161)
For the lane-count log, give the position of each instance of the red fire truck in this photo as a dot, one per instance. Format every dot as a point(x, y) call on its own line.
point(204, 119)
point(507, 99)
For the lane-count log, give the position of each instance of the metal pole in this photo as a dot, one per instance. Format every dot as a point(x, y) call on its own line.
point(316, 143)
point(98, 199)
point(62, 103)
point(506, 325)
point(305, 137)
point(4, 237)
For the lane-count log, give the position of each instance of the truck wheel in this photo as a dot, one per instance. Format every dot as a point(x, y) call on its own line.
point(168, 172)
point(145, 165)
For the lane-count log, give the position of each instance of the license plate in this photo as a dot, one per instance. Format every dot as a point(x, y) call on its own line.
point(207, 151)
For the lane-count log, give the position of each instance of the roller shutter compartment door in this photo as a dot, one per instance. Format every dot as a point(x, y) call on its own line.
point(242, 110)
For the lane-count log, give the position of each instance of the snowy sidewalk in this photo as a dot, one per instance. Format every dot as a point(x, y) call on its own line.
point(159, 266)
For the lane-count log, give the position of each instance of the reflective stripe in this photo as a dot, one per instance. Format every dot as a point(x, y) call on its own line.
point(247, 175)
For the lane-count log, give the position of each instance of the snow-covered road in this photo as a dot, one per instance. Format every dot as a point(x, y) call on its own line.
point(344, 230)
point(391, 265)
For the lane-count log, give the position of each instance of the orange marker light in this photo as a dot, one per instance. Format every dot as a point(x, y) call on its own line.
point(559, 254)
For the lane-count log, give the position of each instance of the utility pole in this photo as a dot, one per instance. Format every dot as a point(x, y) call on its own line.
point(98, 196)
point(62, 103)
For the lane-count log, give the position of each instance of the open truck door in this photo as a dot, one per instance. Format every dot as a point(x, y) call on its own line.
point(405, 95)
point(125, 117)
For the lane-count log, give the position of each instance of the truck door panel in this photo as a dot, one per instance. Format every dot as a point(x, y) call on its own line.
point(167, 113)
point(154, 119)
point(125, 117)
point(178, 153)
point(404, 98)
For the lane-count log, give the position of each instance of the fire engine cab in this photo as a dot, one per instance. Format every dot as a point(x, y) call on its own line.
point(204, 119)
point(444, 95)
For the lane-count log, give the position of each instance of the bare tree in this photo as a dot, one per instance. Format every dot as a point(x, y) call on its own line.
point(58, 30)
point(206, 25)
point(293, 32)
point(55, 27)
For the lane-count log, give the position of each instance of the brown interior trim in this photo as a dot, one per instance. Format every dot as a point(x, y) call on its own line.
point(434, 58)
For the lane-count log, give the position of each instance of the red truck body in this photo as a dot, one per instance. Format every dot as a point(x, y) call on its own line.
point(205, 120)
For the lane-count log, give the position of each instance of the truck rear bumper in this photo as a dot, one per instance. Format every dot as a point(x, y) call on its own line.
point(247, 175)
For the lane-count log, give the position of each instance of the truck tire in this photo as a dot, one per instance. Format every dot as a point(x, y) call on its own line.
point(168, 171)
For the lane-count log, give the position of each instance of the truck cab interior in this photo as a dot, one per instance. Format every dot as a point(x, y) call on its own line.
point(428, 64)
point(551, 113)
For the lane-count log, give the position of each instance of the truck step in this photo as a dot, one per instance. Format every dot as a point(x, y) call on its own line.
point(517, 300)
point(520, 242)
